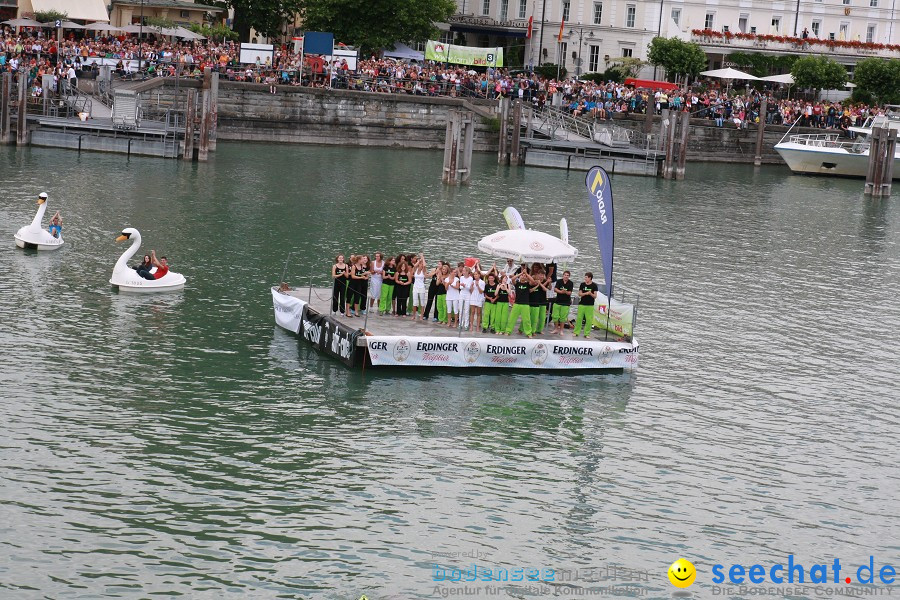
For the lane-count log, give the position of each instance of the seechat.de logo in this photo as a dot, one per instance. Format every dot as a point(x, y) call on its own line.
point(682, 573)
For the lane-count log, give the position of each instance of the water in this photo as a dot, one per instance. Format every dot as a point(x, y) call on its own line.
point(182, 445)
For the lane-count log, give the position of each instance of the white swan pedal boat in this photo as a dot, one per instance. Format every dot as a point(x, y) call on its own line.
point(127, 279)
point(34, 236)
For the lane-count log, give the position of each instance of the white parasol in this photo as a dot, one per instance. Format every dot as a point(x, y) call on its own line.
point(786, 78)
point(64, 25)
point(527, 245)
point(728, 73)
point(22, 23)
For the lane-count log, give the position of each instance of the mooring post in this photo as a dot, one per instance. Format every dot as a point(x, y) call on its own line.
point(213, 111)
point(203, 152)
point(876, 162)
point(529, 128)
point(467, 148)
point(503, 153)
point(760, 130)
point(22, 118)
point(648, 116)
point(189, 115)
point(448, 145)
point(682, 150)
point(5, 93)
point(890, 149)
point(451, 147)
point(870, 168)
point(516, 132)
point(666, 128)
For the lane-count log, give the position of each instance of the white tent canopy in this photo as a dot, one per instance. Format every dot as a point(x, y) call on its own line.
point(65, 25)
point(22, 23)
point(527, 245)
point(786, 78)
point(404, 52)
point(728, 73)
point(88, 10)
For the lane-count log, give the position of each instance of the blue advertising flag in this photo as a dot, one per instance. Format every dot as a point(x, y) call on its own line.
point(600, 197)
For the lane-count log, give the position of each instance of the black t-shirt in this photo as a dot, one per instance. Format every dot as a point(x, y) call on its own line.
point(402, 280)
point(537, 296)
point(490, 290)
point(587, 287)
point(564, 299)
point(522, 296)
point(389, 271)
point(502, 296)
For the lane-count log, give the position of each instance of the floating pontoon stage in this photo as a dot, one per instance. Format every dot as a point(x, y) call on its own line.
point(388, 341)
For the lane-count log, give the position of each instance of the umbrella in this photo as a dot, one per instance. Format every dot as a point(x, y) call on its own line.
point(728, 73)
point(22, 23)
point(787, 78)
point(187, 34)
point(527, 245)
point(134, 29)
point(102, 27)
point(64, 25)
point(849, 85)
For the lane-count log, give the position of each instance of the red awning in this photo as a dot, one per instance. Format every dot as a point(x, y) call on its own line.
point(650, 84)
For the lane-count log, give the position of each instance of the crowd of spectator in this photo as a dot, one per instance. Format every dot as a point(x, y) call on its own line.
point(130, 57)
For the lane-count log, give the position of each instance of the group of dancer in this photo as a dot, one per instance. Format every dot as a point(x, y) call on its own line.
point(465, 296)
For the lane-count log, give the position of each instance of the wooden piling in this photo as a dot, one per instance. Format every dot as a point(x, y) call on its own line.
point(890, 151)
point(189, 116)
point(760, 130)
point(213, 111)
point(879, 175)
point(203, 152)
point(503, 151)
point(516, 132)
point(22, 118)
point(682, 146)
point(5, 93)
point(648, 116)
point(451, 147)
point(469, 144)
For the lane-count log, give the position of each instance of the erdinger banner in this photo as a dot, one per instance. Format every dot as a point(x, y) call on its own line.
point(288, 310)
point(519, 354)
point(600, 197)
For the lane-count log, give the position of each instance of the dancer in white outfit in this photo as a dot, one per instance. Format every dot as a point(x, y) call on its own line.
point(465, 295)
point(375, 280)
point(419, 291)
point(452, 284)
point(477, 301)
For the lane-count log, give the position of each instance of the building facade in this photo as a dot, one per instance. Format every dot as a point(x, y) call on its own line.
point(596, 32)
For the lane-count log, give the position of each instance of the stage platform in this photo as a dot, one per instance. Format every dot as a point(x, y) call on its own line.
point(385, 340)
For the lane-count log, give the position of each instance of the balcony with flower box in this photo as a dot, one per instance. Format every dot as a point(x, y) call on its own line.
point(783, 44)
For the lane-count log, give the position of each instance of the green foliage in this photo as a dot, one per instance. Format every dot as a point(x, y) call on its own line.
point(375, 24)
point(676, 56)
point(595, 77)
point(493, 124)
point(161, 23)
point(819, 73)
point(217, 32)
point(761, 65)
point(49, 16)
point(879, 79)
point(862, 96)
point(267, 17)
point(624, 67)
point(548, 71)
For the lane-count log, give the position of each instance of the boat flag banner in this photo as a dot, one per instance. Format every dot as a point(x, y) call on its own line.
point(600, 197)
point(564, 230)
point(618, 318)
point(513, 218)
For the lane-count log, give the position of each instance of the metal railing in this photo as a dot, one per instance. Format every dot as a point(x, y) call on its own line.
point(828, 140)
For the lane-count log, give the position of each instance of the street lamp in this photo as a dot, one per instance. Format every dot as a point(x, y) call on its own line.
point(581, 36)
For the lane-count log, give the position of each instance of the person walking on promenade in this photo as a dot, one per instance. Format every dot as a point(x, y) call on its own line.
point(587, 291)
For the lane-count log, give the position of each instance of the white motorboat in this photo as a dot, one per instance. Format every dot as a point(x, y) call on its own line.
point(127, 279)
point(34, 236)
point(834, 153)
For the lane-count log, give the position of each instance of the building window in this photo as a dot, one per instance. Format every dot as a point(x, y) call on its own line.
point(563, 46)
point(484, 41)
point(627, 52)
point(742, 23)
point(504, 9)
point(486, 7)
point(446, 37)
point(710, 20)
point(873, 3)
point(676, 16)
point(845, 31)
point(523, 8)
point(753, 30)
point(593, 58)
point(816, 28)
point(565, 15)
point(870, 34)
point(846, 2)
point(776, 24)
point(630, 12)
point(598, 12)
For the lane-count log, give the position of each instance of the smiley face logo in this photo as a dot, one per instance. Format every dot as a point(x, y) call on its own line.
point(682, 573)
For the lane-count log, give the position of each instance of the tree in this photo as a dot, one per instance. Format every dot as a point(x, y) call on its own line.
point(819, 73)
point(50, 16)
point(267, 17)
point(216, 32)
point(676, 56)
point(375, 24)
point(879, 78)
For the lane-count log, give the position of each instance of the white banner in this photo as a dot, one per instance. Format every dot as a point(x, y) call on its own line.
point(288, 310)
point(518, 354)
point(620, 320)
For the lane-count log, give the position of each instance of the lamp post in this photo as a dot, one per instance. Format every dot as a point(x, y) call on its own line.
point(581, 36)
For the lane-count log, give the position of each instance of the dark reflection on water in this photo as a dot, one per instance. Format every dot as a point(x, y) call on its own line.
point(182, 444)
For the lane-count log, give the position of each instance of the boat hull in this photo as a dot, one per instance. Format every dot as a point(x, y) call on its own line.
point(827, 161)
point(30, 244)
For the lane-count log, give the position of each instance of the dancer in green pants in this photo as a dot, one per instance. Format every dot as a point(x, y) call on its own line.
point(387, 287)
point(562, 303)
point(587, 291)
point(521, 307)
point(488, 320)
point(501, 309)
point(538, 298)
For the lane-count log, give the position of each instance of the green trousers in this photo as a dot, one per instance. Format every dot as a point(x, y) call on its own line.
point(520, 310)
point(538, 318)
point(586, 315)
point(501, 316)
point(560, 313)
point(442, 308)
point(387, 292)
